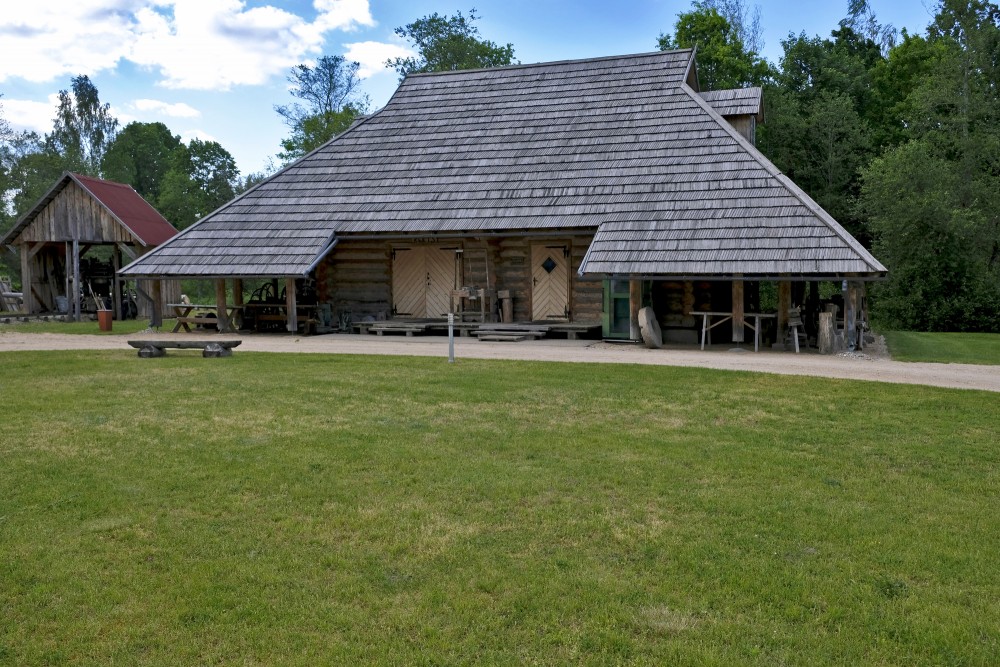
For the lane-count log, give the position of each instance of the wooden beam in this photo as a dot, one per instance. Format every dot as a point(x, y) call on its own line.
point(634, 305)
point(34, 248)
point(237, 301)
point(850, 316)
point(784, 303)
point(220, 305)
point(131, 254)
point(738, 311)
point(27, 296)
point(116, 291)
point(156, 313)
point(290, 306)
point(76, 280)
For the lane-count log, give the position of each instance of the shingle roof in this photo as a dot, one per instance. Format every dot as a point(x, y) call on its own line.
point(621, 145)
point(736, 101)
point(123, 203)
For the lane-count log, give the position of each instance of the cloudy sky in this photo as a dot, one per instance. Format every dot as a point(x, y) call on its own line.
point(214, 69)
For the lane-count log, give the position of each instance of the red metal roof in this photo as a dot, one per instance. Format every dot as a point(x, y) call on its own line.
point(132, 210)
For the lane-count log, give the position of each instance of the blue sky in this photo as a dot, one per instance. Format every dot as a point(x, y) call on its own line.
point(214, 69)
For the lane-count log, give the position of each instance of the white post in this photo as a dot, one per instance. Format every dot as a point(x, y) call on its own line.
point(451, 338)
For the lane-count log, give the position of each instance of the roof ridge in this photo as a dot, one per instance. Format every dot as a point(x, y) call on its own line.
point(546, 63)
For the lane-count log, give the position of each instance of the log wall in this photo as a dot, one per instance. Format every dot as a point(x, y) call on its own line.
point(356, 276)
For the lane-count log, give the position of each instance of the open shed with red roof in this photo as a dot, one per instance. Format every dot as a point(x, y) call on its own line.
point(77, 214)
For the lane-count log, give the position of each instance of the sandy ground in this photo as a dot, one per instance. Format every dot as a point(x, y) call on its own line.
point(872, 365)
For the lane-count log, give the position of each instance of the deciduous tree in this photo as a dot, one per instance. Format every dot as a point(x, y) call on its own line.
point(141, 155)
point(332, 100)
point(446, 43)
point(723, 60)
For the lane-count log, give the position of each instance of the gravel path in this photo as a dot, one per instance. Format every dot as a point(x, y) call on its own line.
point(872, 365)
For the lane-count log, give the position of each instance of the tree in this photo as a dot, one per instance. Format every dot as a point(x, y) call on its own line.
point(934, 201)
point(203, 176)
point(449, 43)
point(83, 128)
point(861, 19)
point(330, 90)
point(140, 155)
point(723, 59)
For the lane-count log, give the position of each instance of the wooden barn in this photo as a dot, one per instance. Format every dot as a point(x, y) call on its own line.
point(73, 241)
point(568, 193)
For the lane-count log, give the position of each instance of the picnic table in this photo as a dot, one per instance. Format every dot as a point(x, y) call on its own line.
point(183, 313)
point(707, 315)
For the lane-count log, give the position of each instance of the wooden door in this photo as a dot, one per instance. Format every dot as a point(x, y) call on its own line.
point(549, 282)
point(440, 273)
point(408, 288)
point(422, 279)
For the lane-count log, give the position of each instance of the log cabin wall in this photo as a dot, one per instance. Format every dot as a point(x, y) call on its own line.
point(356, 276)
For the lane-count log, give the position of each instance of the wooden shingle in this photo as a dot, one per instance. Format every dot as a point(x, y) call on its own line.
point(620, 146)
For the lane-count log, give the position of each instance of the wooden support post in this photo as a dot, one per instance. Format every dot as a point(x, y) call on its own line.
point(220, 306)
point(738, 322)
point(634, 305)
point(116, 290)
point(784, 304)
point(850, 317)
point(156, 313)
point(76, 280)
point(27, 298)
point(862, 313)
point(827, 332)
point(291, 307)
point(237, 301)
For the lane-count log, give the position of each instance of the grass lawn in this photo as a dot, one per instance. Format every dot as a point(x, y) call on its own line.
point(321, 509)
point(949, 348)
point(117, 328)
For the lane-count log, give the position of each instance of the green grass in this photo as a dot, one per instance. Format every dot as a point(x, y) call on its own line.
point(322, 509)
point(117, 327)
point(949, 348)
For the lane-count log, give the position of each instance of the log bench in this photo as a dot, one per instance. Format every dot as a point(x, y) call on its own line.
point(149, 349)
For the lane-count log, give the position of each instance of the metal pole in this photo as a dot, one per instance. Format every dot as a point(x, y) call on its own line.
point(451, 338)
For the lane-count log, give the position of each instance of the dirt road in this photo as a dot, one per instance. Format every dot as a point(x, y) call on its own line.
point(870, 366)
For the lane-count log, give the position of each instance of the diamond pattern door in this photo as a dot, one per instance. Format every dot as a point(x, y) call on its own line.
point(549, 282)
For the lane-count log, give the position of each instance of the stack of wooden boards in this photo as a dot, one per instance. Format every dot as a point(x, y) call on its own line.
point(510, 333)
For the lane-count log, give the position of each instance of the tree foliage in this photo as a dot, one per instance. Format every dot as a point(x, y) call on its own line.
point(202, 177)
point(934, 201)
point(332, 101)
point(723, 58)
point(141, 155)
point(446, 43)
point(83, 127)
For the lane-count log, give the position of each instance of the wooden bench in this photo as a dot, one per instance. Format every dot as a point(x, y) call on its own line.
point(408, 328)
point(149, 349)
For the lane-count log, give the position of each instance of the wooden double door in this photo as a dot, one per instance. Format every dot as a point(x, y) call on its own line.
point(423, 277)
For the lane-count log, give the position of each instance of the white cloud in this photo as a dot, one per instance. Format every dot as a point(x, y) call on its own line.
point(201, 135)
point(372, 55)
point(192, 44)
point(30, 115)
point(62, 37)
point(178, 110)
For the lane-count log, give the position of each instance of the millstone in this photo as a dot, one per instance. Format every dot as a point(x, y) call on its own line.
point(650, 329)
